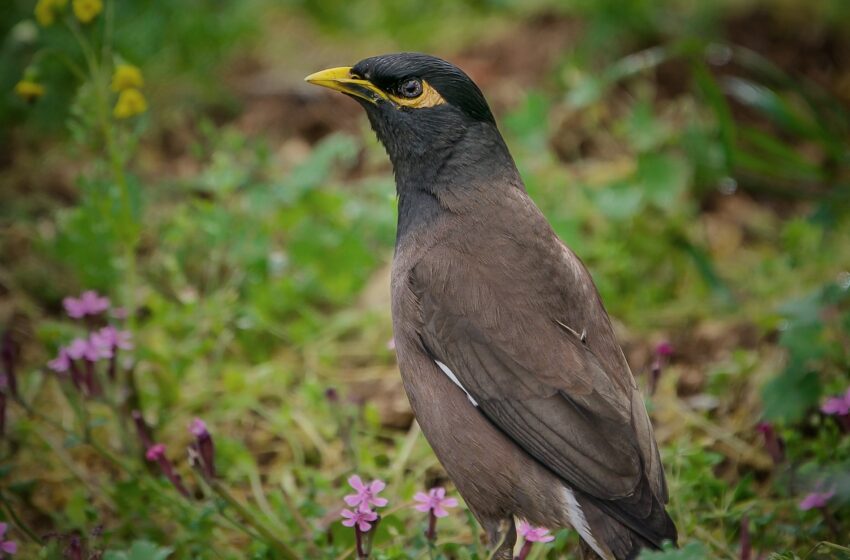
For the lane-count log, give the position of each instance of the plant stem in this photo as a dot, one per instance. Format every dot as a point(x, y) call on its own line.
point(17, 520)
point(431, 534)
point(70, 64)
point(128, 230)
point(525, 550)
point(358, 538)
point(247, 515)
point(473, 530)
point(831, 522)
point(296, 514)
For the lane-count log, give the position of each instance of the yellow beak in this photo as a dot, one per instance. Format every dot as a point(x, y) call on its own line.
point(340, 79)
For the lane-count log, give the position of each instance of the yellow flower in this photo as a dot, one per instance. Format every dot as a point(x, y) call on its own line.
point(29, 90)
point(131, 102)
point(127, 76)
point(44, 13)
point(87, 10)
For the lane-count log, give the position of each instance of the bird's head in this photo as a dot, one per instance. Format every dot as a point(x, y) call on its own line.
point(420, 106)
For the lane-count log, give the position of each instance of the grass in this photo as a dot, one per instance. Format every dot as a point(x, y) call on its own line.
point(255, 264)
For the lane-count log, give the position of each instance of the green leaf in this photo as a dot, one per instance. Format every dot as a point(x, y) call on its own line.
point(530, 122)
point(781, 159)
point(140, 550)
point(587, 92)
point(645, 131)
point(717, 102)
point(788, 396)
point(619, 201)
point(663, 178)
point(772, 105)
point(77, 508)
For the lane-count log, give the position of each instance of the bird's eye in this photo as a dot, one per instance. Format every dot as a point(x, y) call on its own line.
point(410, 88)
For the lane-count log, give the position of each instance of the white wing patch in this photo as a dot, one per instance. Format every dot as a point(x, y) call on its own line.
point(579, 522)
point(455, 380)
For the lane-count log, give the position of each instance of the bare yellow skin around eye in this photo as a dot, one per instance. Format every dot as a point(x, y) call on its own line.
point(428, 98)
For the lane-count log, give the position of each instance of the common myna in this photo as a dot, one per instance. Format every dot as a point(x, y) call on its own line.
point(505, 349)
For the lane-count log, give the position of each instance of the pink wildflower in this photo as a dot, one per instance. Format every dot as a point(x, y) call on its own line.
point(78, 348)
point(100, 348)
point(531, 535)
point(838, 406)
point(366, 495)
point(816, 500)
point(6, 546)
point(155, 452)
point(774, 444)
point(362, 518)
point(113, 338)
point(664, 349)
point(89, 303)
point(198, 428)
point(534, 534)
point(88, 349)
point(435, 500)
point(202, 450)
point(61, 363)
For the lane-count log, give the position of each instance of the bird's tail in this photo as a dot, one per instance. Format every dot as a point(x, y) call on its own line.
point(613, 540)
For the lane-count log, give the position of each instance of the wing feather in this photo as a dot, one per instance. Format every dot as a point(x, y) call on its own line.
point(576, 413)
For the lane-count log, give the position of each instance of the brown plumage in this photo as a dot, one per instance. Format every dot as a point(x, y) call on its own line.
point(505, 349)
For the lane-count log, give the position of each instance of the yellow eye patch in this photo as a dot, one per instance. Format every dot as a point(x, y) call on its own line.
point(344, 80)
point(429, 97)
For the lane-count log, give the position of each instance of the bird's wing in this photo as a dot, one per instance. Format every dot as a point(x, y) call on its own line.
point(543, 365)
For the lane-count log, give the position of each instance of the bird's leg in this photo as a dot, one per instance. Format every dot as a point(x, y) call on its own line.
point(502, 537)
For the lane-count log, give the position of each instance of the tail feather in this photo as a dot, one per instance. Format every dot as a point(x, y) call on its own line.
point(620, 541)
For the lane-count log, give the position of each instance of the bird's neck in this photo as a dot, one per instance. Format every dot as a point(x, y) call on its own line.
point(452, 177)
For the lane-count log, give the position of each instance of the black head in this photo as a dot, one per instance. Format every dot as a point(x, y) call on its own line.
point(420, 106)
point(410, 76)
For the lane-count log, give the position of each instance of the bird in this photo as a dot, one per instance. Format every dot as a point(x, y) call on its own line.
point(506, 352)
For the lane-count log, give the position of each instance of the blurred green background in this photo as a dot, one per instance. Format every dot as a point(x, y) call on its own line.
point(694, 154)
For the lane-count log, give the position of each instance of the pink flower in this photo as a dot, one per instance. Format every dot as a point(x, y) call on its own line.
point(534, 534)
point(366, 495)
point(198, 428)
point(391, 344)
point(435, 500)
point(363, 518)
point(61, 363)
point(774, 444)
point(816, 500)
point(100, 347)
point(664, 349)
point(90, 349)
point(6, 546)
point(89, 303)
point(78, 348)
point(203, 449)
point(838, 406)
point(155, 452)
point(112, 337)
